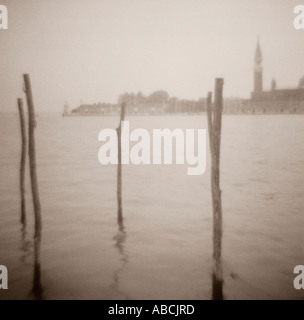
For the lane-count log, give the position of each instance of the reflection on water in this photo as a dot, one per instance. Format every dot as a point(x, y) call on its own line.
point(217, 288)
point(37, 287)
point(23, 210)
point(120, 239)
point(26, 254)
point(26, 246)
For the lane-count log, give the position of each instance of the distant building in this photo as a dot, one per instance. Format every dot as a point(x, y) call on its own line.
point(146, 108)
point(272, 101)
point(142, 108)
point(113, 109)
point(96, 109)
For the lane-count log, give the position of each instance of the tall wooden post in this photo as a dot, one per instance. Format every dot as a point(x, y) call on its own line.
point(214, 126)
point(22, 161)
point(37, 288)
point(119, 179)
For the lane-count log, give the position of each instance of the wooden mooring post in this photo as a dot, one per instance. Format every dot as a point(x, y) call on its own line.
point(37, 287)
point(22, 161)
point(214, 127)
point(119, 178)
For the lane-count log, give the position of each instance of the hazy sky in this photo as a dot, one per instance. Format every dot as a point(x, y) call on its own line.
point(94, 50)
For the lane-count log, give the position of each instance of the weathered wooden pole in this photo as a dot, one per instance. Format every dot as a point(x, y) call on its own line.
point(214, 127)
point(37, 288)
point(119, 179)
point(22, 161)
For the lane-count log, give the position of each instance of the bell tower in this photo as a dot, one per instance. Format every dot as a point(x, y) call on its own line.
point(258, 71)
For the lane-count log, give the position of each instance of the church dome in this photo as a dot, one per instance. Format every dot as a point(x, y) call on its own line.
point(301, 82)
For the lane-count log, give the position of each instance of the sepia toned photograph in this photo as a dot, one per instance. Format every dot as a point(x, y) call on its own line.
point(151, 150)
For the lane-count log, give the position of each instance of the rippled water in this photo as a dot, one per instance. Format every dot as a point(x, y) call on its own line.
point(163, 249)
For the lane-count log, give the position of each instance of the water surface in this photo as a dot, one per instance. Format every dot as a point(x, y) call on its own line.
point(163, 247)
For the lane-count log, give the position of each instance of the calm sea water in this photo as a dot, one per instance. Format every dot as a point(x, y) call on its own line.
point(164, 250)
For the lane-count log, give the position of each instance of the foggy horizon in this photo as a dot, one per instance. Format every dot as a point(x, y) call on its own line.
point(94, 51)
